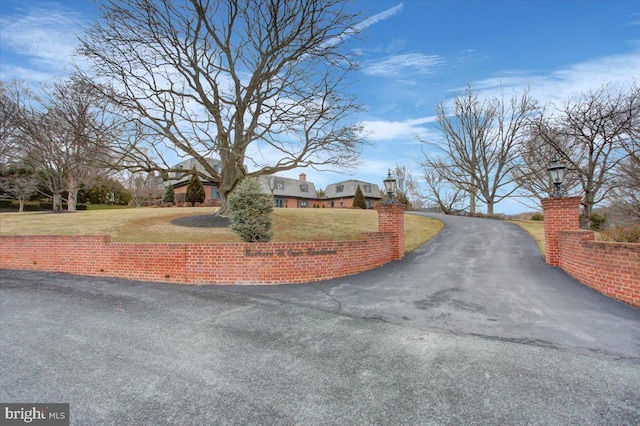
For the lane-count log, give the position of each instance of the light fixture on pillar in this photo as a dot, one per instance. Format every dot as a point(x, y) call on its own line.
point(389, 187)
point(556, 174)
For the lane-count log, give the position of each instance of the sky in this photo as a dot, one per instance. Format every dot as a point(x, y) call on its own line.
point(412, 54)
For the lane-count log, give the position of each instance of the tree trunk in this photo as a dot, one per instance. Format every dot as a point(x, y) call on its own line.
point(587, 204)
point(490, 207)
point(21, 201)
point(223, 205)
point(233, 173)
point(472, 202)
point(57, 202)
point(72, 198)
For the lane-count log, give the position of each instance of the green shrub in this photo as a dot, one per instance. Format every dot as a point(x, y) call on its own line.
point(5, 204)
point(169, 195)
point(30, 206)
point(597, 221)
point(538, 217)
point(358, 199)
point(195, 191)
point(250, 212)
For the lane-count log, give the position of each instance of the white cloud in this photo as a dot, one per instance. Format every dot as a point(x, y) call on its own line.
point(379, 17)
point(407, 64)
point(363, 25)
point(557, 86)
point(392, 130)
point(43, 39)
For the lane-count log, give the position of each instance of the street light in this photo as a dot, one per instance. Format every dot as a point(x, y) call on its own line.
point(556, 174)
point(389, 187)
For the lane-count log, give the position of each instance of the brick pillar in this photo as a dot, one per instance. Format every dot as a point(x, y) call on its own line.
point(391, 219)
point(560, 214)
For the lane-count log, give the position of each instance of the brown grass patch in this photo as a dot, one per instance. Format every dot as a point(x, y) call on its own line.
point(154, 225)
point(535, 229)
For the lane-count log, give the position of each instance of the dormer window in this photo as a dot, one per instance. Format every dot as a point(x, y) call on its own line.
point(279, 184)
point(339, 188)
point(304, 187)
point(367, 188)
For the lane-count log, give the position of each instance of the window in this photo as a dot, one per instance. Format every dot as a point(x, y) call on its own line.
point(367, 188)
point(339, 188)
point(304, 187)
point(278, 202)
point(279, 184)
point(215, 195)
point(302, 204)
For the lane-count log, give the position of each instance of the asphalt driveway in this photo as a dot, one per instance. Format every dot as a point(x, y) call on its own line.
point(479, 277)
point(432, 339)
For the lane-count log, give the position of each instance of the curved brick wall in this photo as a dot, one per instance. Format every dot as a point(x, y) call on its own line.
point(610, 268)
point(236, 263)
point(210, 263)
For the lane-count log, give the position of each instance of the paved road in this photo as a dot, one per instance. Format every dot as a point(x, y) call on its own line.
point(453, 334)
point(479, 277)
point(131, 353)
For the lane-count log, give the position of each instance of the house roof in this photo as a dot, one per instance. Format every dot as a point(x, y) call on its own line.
point(188, 165)
point(287, 187)
point(348, 188)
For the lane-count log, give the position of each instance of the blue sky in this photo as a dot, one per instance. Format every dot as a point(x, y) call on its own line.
point(413, 55)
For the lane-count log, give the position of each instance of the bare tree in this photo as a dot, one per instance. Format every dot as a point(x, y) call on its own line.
point(478, 154)
point(87, 134)
point(65, 134)
point(39, 137)
point(9, 146)
point(19, 183)
point(441, 193)
point(408, 190)
point(246, 80)
point(593, 134)
point(145, 188)
point(530, 173)
point(626, 196)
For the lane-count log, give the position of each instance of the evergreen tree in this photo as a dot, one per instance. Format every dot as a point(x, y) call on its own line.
point(195, 191)
point(169, 195)
point(358, 200)
point(250, 212)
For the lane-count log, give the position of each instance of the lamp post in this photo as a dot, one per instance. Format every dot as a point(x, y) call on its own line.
point(556, 174)
point(389, 187)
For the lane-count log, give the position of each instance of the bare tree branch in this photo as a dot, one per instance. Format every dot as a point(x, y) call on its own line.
point(247, 81)
point(594, 134)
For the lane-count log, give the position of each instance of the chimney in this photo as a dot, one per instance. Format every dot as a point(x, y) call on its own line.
point(303, 177)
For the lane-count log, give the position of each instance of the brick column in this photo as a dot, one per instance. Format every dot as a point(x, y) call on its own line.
point(560, 214)
point(391, 219)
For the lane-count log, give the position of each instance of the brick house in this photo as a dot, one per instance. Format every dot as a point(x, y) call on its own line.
point(290, 193)
point(342, 194)
point(212, 196)
point(286, 192)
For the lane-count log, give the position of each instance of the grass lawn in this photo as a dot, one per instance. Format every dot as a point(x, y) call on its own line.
point(154, 225)
point(535, 229)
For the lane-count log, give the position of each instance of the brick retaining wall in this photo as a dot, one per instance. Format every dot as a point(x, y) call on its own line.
point(611, 268)
point(203, 263)
point(209, 263)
